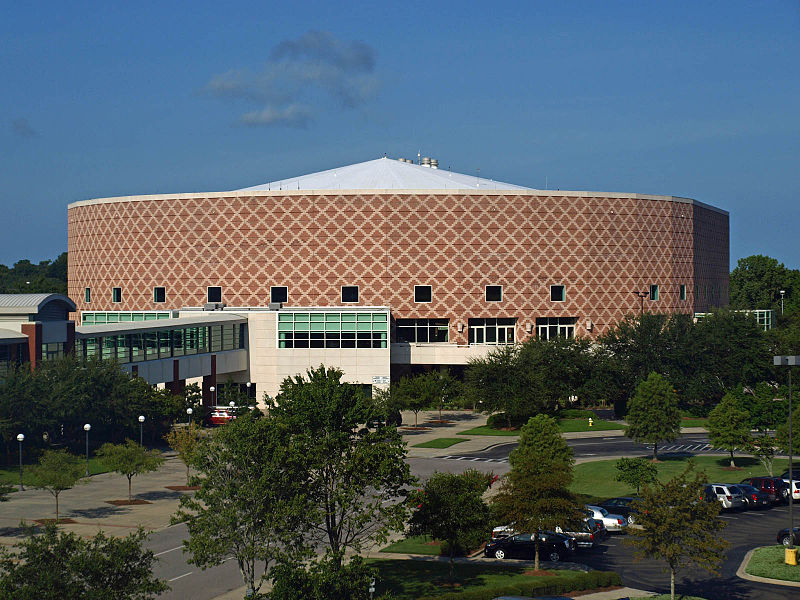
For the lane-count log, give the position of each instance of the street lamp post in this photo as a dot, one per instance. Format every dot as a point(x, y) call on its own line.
point(20, 439)
point(141, 422)
point(189, 412)
point(248, 390)
point(642, 296)
point(213, 390)
point(783, 292)
point(86, 428)
point(789, 361)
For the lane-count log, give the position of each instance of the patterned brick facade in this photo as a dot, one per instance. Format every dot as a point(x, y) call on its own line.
point(601, 247)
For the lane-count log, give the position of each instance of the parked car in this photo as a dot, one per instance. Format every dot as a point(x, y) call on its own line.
point(753, 497)
point(795, 485)
point(552, 546)
point(621, 506)
point(783, 536)
point(220, 415)
point(591, 533)
point(776, 487)
point(612, 521)
point(725, 494)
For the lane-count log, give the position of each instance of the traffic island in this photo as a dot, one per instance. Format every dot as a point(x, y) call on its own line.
point(768, 565)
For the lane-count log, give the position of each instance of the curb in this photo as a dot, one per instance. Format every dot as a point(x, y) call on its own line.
point(740, 572)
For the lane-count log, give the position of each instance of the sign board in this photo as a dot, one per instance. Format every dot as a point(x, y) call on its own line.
point(380, 380)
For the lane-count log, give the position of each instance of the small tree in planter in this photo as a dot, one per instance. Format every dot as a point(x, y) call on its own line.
point(58, 470)
point(130, 459)
point(185, 441)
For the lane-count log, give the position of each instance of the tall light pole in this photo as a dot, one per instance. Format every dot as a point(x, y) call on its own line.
point(141, 422)
point(20, 439)
point(86, 428)
point(642, 296)
point(789, 361)
point(189, 412)
point(783, 292)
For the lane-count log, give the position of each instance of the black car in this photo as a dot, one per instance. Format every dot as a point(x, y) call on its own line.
point(621, 506)
point(753, 497)
point(552, 547)
point(783, 536)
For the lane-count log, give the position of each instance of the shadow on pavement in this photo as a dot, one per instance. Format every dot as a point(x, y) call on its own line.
point(159, 495)
point(99, 512)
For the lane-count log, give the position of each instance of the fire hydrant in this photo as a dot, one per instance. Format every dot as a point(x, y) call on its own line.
point(590, 422)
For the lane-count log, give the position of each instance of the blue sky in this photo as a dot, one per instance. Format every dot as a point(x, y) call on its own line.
point(696, 99)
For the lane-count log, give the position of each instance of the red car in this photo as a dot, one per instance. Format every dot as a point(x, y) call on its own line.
point(221, 415)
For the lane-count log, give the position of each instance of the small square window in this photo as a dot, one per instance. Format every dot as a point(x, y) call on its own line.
point(494, 293)
point(349, 293)
point(423, 293)
point(279, 294)
point(87, 295)
point(653, 292)
point(683, 291)
point(116, 294)
point(214, 294)
point(557, 293)
point(159, 294)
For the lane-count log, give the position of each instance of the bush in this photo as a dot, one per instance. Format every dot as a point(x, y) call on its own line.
point(549, 585)
point(499, 421)
point(575, 413)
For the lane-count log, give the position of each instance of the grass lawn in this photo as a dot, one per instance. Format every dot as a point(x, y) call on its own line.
point(769, 562)
point(596, 479)
point(442, 442)
point(11, 475)
point(418, 544)
point(565, 425)
point(693, 422)
point(410, 579)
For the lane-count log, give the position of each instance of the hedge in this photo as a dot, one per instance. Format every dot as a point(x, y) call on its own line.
point(545, 585)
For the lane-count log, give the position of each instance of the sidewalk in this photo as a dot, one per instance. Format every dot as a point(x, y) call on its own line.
point(87, 504)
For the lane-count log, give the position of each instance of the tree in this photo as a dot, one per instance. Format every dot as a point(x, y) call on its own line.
point(636, 472)
point(534, 495)
point(756, 283)
point(729, 425)
point(434, 388)
point(782, 435)
point(355, 477)
point(677, 526)
point(130, 459)
point(450, 508)
point(251, 499)
point(185, 441)
point(494, 383)
point(653, 414)
point(5, 490)
point(58, 470)
point(323, 580)
point(763, 448)
point(407, 394)
point(54, 565)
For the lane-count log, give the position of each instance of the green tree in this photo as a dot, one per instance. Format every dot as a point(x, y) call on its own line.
point(494, 383)
point(677, 526)
point(185, 441)
point(54, 565)
point(58, 470)
point(756, 283)
point(729, 425)
point(251, 500)
point(450, 508)
point(653, 414)
point(636, 472)
point(130, 459)
point(407, 393)
point(323, 580)
point(782, 434)
point(534, 495)
point(355, 477)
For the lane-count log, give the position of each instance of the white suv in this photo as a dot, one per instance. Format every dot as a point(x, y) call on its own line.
point(729, 497)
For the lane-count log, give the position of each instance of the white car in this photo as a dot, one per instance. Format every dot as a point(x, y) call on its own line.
point(611, 521)
point(795, 487)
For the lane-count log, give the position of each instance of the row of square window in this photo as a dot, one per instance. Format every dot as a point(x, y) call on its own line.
point(422, 294)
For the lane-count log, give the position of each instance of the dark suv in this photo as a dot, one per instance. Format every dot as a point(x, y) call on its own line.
point(776, 487)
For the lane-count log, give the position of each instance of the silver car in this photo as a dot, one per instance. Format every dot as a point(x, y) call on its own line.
point(611, 521)
point(728, 496)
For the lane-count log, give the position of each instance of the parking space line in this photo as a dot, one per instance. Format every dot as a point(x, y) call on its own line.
point(170, 550)
point(179, 577)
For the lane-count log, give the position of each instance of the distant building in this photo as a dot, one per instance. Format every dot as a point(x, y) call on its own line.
point(380, 268)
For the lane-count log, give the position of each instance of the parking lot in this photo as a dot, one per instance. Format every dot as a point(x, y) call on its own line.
point(745, 530)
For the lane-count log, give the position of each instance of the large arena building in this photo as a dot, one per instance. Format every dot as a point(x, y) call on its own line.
point(377, 268)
